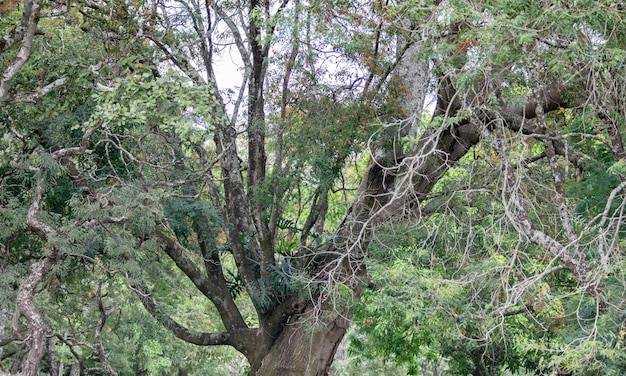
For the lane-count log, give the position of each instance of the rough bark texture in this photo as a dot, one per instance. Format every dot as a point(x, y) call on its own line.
point(308, 342)
point(34, 317)
point(303, 349)
point(26, 293)
point(412, 75)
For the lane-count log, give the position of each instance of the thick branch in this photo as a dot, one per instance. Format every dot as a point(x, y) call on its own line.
point(548, 99)
point(257, 157)
point(31, 215)
point(392, 192)
point(18, 33)
point(26, 305)
point(245, 249)
point(209, 286)
point(38, 95)
point(30, 18)
point(26, 293)
point(234, 337)
point(106, 366)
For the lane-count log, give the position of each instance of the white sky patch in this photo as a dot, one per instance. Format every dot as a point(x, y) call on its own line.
point(228, 69)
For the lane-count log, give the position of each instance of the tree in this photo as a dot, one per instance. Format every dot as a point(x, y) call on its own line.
point(129, 151)
point(516, 248)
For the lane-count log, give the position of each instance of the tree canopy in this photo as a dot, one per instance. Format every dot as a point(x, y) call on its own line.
point(444, 177)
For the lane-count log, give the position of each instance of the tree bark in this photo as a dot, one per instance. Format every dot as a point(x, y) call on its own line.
point(26, 293)
point(34, 317)
point(308, 342)
point(304, 348)
point(23, 33)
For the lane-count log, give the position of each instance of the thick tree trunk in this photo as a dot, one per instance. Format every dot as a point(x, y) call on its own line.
point(307, 345)
point(304, 347)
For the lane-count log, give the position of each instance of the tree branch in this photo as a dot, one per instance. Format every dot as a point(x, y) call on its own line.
point(524, 309)
point(210, 286)
point(31, 215)
point(577, 263)
point(17, 34)
point(38, 95)
point(26, 32)
point(244, 246)
point(26, 292)
point(231, 337)
point(392, 191)
point(106, 366)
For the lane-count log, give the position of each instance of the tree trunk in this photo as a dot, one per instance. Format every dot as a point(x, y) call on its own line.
point(307, 345)
point(306, 348)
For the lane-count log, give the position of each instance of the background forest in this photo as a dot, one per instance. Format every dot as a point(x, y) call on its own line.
point(312, 187)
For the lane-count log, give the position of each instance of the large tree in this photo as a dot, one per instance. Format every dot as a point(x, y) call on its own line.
point(121, 148)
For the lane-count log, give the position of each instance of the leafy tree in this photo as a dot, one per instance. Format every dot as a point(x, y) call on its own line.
point(516, 228)
point(125, 167)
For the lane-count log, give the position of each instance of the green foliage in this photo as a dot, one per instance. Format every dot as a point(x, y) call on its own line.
point(427, 311)
point(462, 289)
point(185, 216)
point(169, 102)
point(600, 174)
point(453, 291)
point(323, 133)
point(139, 121)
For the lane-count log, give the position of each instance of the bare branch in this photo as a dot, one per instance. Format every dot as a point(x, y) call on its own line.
point(26, 305)
point(31, 216)
point(229, 337)
point(38, 270)
point(104, 314)
point(38, 95)
point(104, 220)
point(17, 34)
point(30, 19)
point(518, 214)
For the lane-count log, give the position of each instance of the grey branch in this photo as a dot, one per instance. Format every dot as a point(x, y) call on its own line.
point(38, 95)
point(30, 19)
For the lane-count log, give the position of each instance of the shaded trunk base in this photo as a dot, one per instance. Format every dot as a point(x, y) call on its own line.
point(305, 347)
